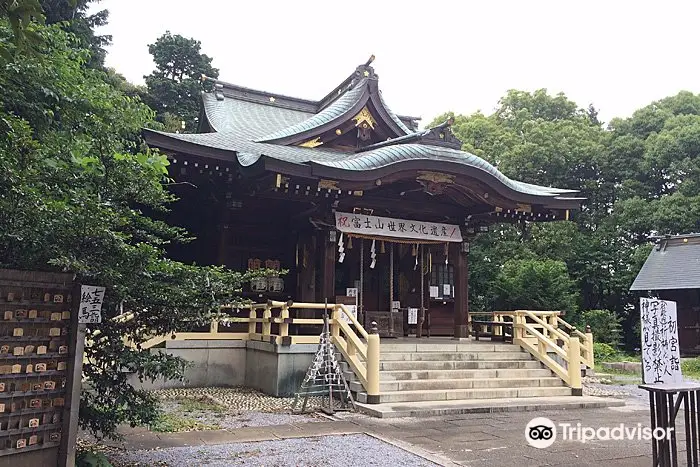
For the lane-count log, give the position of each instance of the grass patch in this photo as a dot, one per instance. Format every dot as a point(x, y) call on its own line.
point(172, 423)
point(691, 367)
point(615, 371)
point(200, 405)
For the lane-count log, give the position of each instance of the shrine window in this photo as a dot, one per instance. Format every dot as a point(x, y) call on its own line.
point(442, 276)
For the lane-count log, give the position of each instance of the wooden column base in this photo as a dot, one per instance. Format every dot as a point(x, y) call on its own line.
point(461, 331)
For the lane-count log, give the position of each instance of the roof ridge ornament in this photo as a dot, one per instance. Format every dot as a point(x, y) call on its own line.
point(442, 135)
point(365, 70)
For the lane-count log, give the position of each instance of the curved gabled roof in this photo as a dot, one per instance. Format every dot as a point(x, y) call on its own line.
point(256, 130)
point(347, 105)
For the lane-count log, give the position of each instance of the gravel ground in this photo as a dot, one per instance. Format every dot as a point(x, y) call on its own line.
point(238, 398)
point(307, 452)
point(229, 419)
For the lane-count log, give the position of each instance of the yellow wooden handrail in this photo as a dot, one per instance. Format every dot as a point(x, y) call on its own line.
point(541, 318)
point(360, 349)
point(569, 366)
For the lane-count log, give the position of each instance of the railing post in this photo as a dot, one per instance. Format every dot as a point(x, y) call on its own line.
point(574, 364)
point(497, 330)
point(266, 325)
point(517, 330)
point(373, 365)
point(214, 326)
point(252, 324)
point(589, 347)
point(284, 327)
point(335, 327)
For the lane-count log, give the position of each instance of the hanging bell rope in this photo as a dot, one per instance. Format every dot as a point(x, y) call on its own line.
point(373, 255)
point(341, 249)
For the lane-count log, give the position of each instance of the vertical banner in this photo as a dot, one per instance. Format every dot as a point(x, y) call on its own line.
point(661, 360)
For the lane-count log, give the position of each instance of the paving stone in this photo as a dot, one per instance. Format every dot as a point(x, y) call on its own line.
point(236, 436)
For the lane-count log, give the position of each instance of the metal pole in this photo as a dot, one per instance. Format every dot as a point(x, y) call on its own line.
point(391, 290)
point(361, 292)
point(422, 292)
point(326, 330)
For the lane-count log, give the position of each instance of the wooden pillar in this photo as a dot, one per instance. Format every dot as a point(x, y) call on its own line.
point(306, 252)
point(461, 292)
point(222, 255)
point(326, 252)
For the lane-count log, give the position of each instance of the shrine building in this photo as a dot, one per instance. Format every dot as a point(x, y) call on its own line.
point(672, 272)
point(356, 202)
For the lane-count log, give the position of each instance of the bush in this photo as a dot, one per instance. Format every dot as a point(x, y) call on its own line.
point(604, 352)
point(605, 326)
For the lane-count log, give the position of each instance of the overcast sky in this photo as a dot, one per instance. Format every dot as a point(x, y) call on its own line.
point(431, 56)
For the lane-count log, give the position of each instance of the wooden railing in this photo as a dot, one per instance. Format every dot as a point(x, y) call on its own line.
point(359, 348)
point(553, 341)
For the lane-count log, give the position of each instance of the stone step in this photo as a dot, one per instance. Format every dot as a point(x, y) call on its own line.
point(466, 394)
point(459, 407)
point(472, 383)
point(400, 375)
point(458, 365)
point(486, 346)
point(453, 356)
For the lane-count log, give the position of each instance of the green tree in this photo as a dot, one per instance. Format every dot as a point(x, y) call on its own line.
point(75, 181)
point(546, 139)
point(21, 15)
point(73, 16)
point(534, 284)
point(174, 87)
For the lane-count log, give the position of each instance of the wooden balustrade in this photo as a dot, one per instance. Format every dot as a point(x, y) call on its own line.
point(553, 341)
point(359, 348)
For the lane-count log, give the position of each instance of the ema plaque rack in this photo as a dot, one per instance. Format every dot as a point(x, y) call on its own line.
point(324, 379)
point(37, 347)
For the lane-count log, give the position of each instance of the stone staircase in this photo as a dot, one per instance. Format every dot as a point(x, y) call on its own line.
point(433, 371)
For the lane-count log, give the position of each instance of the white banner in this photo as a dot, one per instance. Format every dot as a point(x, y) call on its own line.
point(661, 359)
point(396, 228)
point(91, 297)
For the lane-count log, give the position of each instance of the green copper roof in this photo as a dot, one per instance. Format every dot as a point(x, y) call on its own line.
point(338, 108)
point(246, 123)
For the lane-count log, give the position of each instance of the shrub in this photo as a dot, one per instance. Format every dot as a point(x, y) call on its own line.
point(604, 352)
point(605, 326)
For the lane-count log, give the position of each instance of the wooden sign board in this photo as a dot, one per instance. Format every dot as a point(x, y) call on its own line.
point(661, 360)
point(90, 309)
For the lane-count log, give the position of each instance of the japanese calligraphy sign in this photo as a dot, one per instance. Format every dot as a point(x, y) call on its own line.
point(90, 310)
point(661, 361)
point(396, 228)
